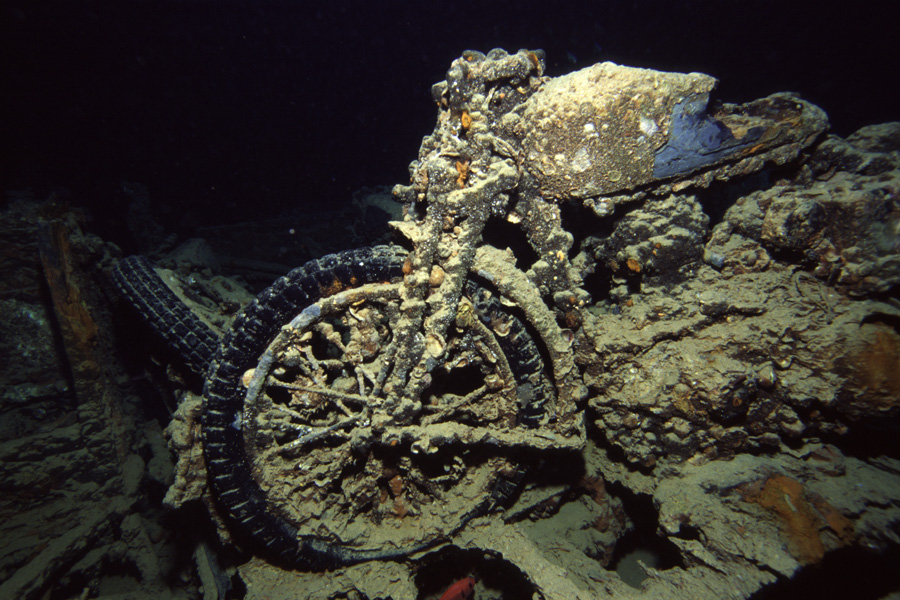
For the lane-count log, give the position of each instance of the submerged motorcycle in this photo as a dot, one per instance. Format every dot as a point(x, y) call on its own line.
point(370, 403)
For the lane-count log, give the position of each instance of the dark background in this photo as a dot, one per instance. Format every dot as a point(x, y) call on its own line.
point(231, 111)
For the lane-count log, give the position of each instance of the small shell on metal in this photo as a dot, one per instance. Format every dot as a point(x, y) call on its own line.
point(436, 278)
point(500, 326)
point(435, 344)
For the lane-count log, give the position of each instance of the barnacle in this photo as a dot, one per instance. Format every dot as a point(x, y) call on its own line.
point(396, 485)
point(462, 167)
point(465, 315)
point(465, 120)
point(435, 344)
point(436, 278)
point(573, 319)
point(535, 61)
point(633, 265)
point(500, 325)
point(400, 508)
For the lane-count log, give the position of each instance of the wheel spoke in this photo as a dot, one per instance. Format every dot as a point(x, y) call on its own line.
point(320, 434)
point(312, 435)
point(322, 391)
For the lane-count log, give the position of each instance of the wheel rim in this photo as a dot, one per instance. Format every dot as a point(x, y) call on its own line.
point(331, 459)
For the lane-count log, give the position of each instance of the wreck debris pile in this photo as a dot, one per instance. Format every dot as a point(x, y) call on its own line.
point(839, 219)
point(732, 381)
point(77, 455)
